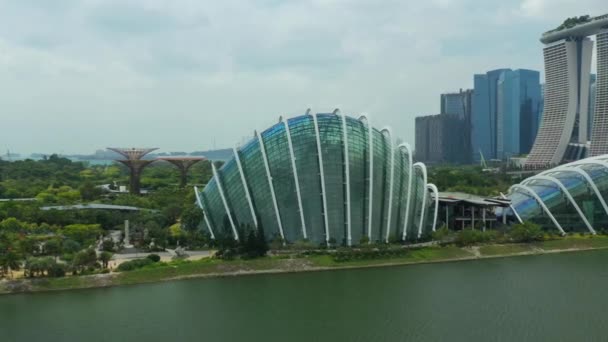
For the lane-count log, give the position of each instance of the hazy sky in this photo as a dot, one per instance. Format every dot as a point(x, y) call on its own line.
point(79, 75)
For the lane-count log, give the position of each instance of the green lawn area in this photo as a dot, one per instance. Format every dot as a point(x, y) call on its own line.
point(176, 269)
point(576, 241)
point(491, 250)
point(413, 256)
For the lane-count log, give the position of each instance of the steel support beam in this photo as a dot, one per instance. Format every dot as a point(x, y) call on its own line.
point(322, 174)
point(408, 150)
point(296, 178)
point(245, 186)
point(370, 148)
point(561, 186)
point(200, 204)
point(435, 191)
point(540, 202)
point(422, 168)
point(387, 130)
point(349, 237)
point(269, 177)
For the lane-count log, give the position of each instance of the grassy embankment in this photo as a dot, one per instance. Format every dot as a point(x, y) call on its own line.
point(277, 264)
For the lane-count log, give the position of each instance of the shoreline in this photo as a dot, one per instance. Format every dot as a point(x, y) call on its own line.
point(214, 268)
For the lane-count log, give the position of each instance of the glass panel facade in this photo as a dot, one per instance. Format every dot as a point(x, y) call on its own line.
point(304, 142)
point(255, 174)
point(303, 136)
point(330, 131)
point(574, 179)
point(236, 198)
point(359, 168)
point(279, 161)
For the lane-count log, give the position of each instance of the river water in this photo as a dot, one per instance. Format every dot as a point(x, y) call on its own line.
point(560, 297)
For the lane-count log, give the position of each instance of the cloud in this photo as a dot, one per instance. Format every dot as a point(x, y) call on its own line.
point(182, 74)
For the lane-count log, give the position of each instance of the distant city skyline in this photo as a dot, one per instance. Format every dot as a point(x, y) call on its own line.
point(182, 76)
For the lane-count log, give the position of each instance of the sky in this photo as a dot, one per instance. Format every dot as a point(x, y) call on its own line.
point(185, 75)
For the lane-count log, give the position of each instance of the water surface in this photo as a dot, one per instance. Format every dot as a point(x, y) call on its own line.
point(559, 297)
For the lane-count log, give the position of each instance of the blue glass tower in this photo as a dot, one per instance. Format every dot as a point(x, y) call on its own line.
point(483, 115)
point(518, 111)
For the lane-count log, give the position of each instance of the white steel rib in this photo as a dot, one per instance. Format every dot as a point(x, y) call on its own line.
point(216, 175)
point(295, 179)
point(435, 191)
point(408, 149)
point(589, 180)
point(322, 173)
point(370, 147)
point(512, 208)
point(349, 236)
point(540, 202)
point(269, 176)
point(244, 181)
point(422, 168)
point(200, 204)
point(568, 195)
point(387, 130)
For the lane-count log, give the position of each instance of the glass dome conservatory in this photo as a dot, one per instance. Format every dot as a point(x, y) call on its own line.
point(568, 198)
point(325, 178)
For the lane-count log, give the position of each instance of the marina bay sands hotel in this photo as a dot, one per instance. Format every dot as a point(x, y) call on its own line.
point(562, 135)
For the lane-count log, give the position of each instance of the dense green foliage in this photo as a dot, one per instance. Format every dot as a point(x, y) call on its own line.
point(470, 179)
point(134, 264)
point(526, 232)
point(368, 254)
point(31, 237)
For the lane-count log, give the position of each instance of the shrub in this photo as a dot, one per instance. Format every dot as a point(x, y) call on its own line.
point(441, 233)
point(154, 257)
point(526, 232)
point(133, 264)
point(468, 237)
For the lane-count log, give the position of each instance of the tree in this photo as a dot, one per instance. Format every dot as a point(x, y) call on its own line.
point(53, 247)
point(192, 216)
point(88, 191)
point(84, 258)
point(105, 258)
point(10, 261)
point(82, 233)
point(70, 246)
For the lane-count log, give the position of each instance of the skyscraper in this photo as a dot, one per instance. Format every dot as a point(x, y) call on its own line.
point(564, 128)
point(518, 106)
point(483, 114)
point(591, 106)
point(599, 135)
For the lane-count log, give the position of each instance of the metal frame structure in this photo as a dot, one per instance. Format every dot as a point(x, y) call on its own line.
point(245, 186)
point(309, 186)
point(387, 130)
point(370, 147)
point(295, 178)
point(561, 186)
point(135, 164)
point(408, 149)
point(269, 177)
point(540, 202)
point(221, 192)
point(422, 168)
point(322, 175)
